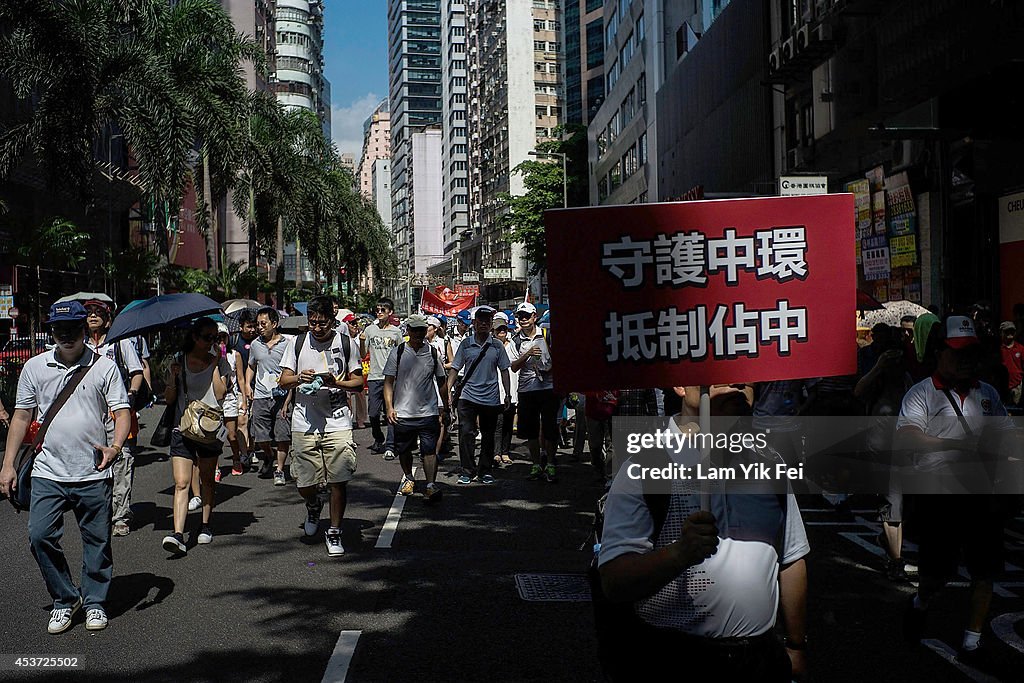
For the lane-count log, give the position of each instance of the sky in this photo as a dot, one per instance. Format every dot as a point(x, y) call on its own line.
point(356, 64)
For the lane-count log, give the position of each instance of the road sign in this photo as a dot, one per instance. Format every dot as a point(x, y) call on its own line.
point(707, 292)
point(797, 185)
point(497, 273)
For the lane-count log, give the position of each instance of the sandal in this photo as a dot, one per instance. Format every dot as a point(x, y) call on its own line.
point(505, 460)
point(497, 460)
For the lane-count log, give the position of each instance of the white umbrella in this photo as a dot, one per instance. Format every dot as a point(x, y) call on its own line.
point(892, 312)
point(85, 296)
point(233, 305)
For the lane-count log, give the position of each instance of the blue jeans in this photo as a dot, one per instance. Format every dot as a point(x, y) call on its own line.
point(91, 503)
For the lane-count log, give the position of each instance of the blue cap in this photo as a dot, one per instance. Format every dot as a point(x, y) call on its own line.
point(67, 311)
point(464, 317)
point(443, 320)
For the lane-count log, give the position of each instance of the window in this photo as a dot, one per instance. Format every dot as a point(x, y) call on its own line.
point(458, 149)
point(594, 4)
point(553, 47)
point(642, 149)
point(459, 64)
point(540, 67)
point(542, 132)
point(459, 98)
point(539, 45)
point(538, 24)
point(602, 143)
point(595, 43)
point(641, 31)
point(641, 89)
point(626, 53)
point(434, 33)
point(613, 75)
point(458, 47)
point(459, 166)
point(459, 81)
point(602, 189)
point(541, 111)
point(458, 30)
point(613, 27)
point(459, 114)
point(615, 177)
point(629, 163)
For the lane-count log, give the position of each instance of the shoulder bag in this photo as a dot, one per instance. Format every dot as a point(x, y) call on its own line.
point(200, 422)
point(21, 496)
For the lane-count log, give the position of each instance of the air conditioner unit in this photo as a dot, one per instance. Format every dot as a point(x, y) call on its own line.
point(774, 61)
point(787, 50)
point(822, 33)
point(803, 37)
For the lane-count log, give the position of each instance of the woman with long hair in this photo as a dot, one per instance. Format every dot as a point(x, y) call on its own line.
point(197, 374)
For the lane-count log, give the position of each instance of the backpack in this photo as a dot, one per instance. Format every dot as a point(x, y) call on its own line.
point(401, 348)
point(145, 392)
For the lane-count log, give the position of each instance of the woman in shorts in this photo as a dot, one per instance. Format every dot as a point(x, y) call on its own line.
point(232, 406)
point(197, 374)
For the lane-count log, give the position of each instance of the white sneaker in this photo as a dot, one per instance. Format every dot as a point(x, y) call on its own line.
point(95, 619)
point(205, 536)
point(60, 618)
point(195, 503)
point(333, 542)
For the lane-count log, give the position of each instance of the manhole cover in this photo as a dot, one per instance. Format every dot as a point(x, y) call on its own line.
point(553, 587)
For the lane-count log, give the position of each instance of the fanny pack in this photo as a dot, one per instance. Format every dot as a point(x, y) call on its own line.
point(199, 422)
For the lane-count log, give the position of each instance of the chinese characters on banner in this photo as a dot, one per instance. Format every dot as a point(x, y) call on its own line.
point(446, 301)
point(702, 292)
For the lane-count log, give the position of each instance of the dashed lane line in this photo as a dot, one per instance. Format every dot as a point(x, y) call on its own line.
point(341, 658)
point(387, 532)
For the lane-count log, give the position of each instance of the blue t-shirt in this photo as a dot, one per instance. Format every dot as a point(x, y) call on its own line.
point(482, 385)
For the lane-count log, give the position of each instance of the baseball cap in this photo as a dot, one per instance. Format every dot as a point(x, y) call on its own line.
point(960, 332)
point(433, 321)
point(345, 315)
point(96, 302)
point(482, 311)
point(464, 317)
point(222, 328)
point(1007, 326)
point(416, 320)
point(500, 319)
point(526, 307)
point(66, 311)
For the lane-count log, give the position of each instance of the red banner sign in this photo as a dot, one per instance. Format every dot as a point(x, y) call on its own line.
point(710, 292)
point(445, 301)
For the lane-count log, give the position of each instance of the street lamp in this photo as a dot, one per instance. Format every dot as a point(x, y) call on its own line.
point(565, 175)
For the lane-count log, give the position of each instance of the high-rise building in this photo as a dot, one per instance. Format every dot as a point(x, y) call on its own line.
point(454, 139)
point(299, 82)
point(414, 61)
point(583, 37)
point(623, 133)
point(515, 102)
point(348, 162)
point(254, 19)
point(380, 189)
point(376, 145)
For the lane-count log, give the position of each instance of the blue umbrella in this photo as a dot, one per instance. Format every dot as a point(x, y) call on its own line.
point(158, 312)
point(300, 306)
point(133, 304)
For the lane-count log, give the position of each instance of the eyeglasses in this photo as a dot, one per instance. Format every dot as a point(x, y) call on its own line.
point(319, 324)
point(501, 329)
point(96, 312)
point(383, 309)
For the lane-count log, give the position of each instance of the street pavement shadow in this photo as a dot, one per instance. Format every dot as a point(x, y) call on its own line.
point(139, 591)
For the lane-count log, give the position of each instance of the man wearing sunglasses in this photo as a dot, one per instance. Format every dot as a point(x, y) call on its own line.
point(72, 469)
point(322, 367)
point(126, 357)
point(380, 338)
point(538, 404)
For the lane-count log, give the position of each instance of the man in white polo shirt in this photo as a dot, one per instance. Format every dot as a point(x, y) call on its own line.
point(941, 420)
point(538, 404)
point(72, 470)
point(413, 377)
point(322, 366)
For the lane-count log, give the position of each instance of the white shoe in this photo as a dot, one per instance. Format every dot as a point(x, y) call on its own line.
point(95, 619)
point(205, 536)
point(195, 503)
point(334, 547)
point(60, 618)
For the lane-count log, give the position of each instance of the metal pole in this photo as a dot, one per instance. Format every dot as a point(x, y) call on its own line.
point(565, 182)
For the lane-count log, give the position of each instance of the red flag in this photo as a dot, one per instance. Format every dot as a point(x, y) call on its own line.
point(445, 302)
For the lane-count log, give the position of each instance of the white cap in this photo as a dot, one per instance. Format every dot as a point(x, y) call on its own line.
point(431, 320)
point(526, 307)
point(960, 332)
point(222, 328)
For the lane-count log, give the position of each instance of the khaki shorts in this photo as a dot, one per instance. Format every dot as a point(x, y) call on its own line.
point(329, 457)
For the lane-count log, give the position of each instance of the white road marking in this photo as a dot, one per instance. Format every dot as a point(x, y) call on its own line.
point(341, 658)
point(1002, 626)
point(949, 654)
point(387, 533)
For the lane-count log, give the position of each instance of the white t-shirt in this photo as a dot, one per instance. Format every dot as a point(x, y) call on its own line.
point(129, 355)
point(327, 410)
point(926, 407)
point(416, 381)
point(67, 452)
point(733, 593)
point(535, 375)
point(513, 378)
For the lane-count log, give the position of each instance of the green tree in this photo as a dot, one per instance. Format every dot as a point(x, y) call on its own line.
point(545, 189)
point(132, 270)
point(56, 243)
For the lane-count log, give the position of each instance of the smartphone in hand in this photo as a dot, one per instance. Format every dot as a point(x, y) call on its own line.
point(98, 456)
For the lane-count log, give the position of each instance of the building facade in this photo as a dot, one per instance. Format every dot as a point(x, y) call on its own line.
point(643, 38)
point(515, 95)
point(414, 65)
point(583, 72)
point(376, 145)
point(454, 126)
